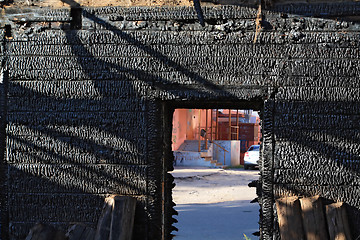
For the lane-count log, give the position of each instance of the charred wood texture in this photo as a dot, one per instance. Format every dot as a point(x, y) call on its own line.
point(86, 104)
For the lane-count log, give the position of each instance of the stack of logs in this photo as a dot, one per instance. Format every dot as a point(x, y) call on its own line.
point(305, 218)
point(115, 223)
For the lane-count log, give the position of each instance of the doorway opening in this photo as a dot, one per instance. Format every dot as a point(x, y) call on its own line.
point(211, 193)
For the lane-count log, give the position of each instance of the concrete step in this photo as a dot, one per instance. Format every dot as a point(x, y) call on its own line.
point(205, 154)
point(192, 146)
point(188, 155)
point(216, 163)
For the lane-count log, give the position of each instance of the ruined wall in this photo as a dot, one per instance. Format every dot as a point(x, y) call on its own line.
point(153, 3)
point(87, 95)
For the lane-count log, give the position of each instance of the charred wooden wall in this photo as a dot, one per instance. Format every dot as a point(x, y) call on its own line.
point(87, 94)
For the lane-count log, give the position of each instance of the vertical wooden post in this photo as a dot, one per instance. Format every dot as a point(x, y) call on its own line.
point(229, 124)
point(224, 157)
point(117, 219)
point(206, 129)
point(313, 218)
point(338, 224)
point(289, 217)
point(211, 125)
point(122, 219)
point(217, 125)
point(199, 147)
point(43, 231)
point(237, 124)
point(80, 232)
point(104, 222)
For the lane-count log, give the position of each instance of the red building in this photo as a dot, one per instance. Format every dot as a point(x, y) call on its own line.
point(219, 124)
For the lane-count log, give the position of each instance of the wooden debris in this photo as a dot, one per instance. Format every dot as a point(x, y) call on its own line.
point(117, 219)
point(289, 217)
point(337, 222)
point(313, 218)
point(45, 232)
point(80, 232)
point(104, 222)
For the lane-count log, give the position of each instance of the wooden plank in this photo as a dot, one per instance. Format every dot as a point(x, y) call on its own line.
point(104, 222)
point(199, 140)
point(337, 221)
point(237, 124)
point(117, 219)
point(229, 124)
point(206, 128)
point(289, 217)
point(211, 125)
point(122, 218)
point(80, 232)
point(217, 125)
point(45, 232)
point(313, 218)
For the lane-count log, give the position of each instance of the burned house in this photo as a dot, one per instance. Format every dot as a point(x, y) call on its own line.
point(88, 92)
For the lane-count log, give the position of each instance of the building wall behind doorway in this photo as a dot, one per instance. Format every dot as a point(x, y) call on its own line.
point(186, 125)
point(181, 127)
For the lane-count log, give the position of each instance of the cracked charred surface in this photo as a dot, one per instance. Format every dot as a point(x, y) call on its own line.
point(85, 92)
point(154, 3)
point(95, 3)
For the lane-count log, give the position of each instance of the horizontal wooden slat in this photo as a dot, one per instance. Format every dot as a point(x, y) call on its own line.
point(69, 178)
